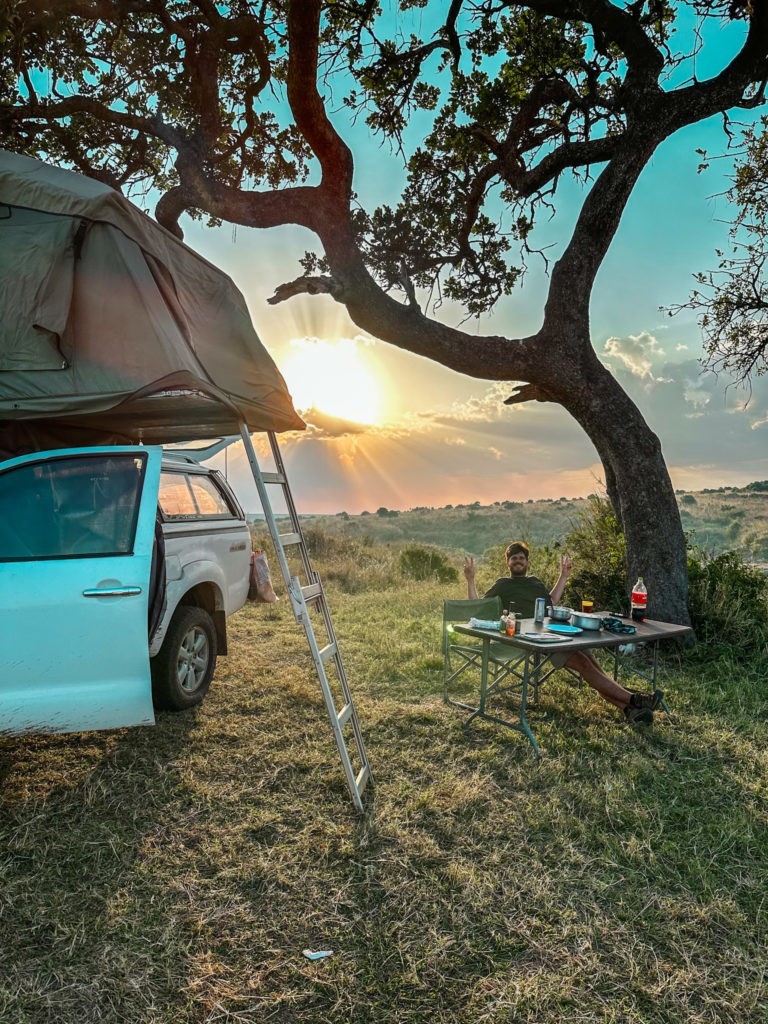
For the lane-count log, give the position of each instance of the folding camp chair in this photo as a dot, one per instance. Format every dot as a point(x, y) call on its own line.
point(461, 652)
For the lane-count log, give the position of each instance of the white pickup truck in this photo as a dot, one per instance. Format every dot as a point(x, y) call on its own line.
point(119, 567)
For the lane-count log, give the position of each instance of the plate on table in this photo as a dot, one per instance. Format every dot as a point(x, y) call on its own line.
point(564, 628)
point(543, 638)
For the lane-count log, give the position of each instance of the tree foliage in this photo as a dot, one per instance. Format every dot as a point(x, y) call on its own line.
point(732, 301)
point(204, 103)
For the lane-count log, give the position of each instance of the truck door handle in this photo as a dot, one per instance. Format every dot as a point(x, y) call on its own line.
point(112, 592)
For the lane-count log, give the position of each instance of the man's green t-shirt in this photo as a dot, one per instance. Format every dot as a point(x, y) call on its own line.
point(519, 593)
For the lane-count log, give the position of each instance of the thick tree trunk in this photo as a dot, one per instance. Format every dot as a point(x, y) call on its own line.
point(639, 489)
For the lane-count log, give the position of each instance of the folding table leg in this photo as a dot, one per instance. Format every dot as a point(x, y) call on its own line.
point(524, 701)
point(483, 682)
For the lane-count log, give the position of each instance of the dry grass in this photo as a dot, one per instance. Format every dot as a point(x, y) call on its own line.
point(175, 874)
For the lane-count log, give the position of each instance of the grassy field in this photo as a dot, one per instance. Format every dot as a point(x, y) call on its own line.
point(731, 519)
point(176, 873)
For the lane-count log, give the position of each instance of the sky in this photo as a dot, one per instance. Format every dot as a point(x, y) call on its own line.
point(386, 428)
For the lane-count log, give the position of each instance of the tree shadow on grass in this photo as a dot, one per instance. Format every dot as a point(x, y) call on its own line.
point(624, 869)
point(87, 931)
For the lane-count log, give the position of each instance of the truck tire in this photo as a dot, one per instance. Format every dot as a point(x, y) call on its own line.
point(183, 667)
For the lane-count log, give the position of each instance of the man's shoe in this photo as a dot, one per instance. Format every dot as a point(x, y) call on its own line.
point(646, 700)
point(638, 716)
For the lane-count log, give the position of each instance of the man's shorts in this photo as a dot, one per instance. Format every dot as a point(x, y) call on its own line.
point(558, 658)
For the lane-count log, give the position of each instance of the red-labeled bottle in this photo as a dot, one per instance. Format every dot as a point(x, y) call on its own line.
point(639, 600)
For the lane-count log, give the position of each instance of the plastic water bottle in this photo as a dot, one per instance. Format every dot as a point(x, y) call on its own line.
point(639, 600)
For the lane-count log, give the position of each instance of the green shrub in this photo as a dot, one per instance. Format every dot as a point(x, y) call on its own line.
point(598, 550)
point(728, 601)
point(422, 563)
point(322, 544)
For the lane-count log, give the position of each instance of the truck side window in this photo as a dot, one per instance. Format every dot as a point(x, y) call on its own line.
point(175, 498)
point(208, 498)
point(70, 507)
point(191, 496)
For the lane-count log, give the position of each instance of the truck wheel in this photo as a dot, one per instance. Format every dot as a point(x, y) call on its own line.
point(183, 667)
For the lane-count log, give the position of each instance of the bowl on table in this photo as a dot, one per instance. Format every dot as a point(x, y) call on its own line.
point(585, 621)
point(559, 613)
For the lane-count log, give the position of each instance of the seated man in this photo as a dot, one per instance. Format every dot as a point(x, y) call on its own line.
point(519, 591)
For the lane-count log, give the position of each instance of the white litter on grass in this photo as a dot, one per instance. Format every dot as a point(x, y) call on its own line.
point(319, 954)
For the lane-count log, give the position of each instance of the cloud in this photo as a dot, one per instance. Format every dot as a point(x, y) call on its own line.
point(703, 420)
point(322, 424)
point(484, 409)
point(636, 352)
point(695, 393)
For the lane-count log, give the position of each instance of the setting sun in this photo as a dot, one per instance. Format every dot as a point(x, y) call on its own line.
point(332, 377)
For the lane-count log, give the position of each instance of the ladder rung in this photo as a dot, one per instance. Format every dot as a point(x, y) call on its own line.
point(274, 478)
point(362, 778)
point(289, 538)
point(328, 652)
point(344, 715)
point(312, 592)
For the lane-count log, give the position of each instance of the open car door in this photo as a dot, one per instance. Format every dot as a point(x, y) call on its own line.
point(76, 548)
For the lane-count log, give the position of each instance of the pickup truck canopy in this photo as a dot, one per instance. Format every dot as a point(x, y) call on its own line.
point(114, 331)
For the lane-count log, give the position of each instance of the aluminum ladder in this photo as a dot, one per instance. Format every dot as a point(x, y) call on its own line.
point(304, 598)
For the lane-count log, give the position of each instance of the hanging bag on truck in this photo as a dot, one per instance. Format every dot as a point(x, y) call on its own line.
point(260, 588)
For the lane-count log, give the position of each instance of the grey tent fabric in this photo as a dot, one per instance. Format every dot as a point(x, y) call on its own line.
point(111, 330)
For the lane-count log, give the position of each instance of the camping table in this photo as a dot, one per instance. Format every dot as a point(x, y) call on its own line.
point(534, 665)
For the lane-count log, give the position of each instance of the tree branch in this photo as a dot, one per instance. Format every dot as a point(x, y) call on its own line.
point(308, 108)
point(45, 110)
point(569, 155)
point(529, 393)
point(729, 88)
point(273, 208)
point(611, 22)
point(305, 285)
point(171, 206)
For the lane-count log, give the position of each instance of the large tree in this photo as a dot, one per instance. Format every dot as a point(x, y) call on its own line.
point(231, 111)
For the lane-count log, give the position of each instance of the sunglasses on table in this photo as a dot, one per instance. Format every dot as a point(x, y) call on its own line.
point(614, 625)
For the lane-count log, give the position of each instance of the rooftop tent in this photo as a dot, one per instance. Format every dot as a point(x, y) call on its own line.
point(114, 331)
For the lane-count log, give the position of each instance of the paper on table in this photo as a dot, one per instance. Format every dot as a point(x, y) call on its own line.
point(485, 624)
point(544, 638)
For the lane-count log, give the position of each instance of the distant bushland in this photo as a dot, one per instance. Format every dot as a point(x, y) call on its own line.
point(716, 520)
